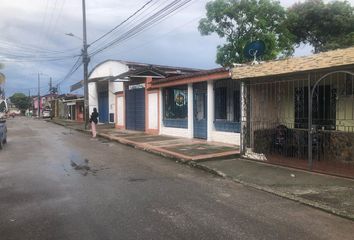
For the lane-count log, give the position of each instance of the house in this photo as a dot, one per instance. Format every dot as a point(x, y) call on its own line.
point(203, 105)
point(156, 99)
point(68, 106)
point(43, 103)
point(300, 109)
point(119, 87)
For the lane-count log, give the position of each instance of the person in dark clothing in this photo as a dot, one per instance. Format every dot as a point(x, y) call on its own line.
point(94, 121)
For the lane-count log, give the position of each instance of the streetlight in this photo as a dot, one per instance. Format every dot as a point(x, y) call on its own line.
point(73, 35)
point(85, 61)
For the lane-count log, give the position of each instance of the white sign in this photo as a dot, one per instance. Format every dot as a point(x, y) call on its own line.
point(137, 86)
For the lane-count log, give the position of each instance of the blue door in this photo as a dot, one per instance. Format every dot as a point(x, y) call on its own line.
point(135, 109)
point(200, 110)
point(103, 106)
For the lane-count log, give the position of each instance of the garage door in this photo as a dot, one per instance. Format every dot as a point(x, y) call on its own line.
point(103, 107)
point(135, 109)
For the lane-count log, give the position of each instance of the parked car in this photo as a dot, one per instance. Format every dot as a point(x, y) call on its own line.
point(46, 113)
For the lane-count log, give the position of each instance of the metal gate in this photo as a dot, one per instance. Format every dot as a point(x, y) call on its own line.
point(103, 107)
point(200, 110)
point(303, 120)
point(135, 109)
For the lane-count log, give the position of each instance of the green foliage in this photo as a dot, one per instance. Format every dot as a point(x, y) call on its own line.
point(21, 101)
point(243, 21)
point(324, 26)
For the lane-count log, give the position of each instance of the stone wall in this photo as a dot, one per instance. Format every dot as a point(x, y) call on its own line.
point(327, 145)
point(340, 146)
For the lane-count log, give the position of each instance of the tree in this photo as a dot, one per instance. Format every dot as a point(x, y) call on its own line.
point(324, 26)
point(21, 101)
point(243, 21)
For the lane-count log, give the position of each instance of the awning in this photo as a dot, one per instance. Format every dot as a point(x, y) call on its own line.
point(80, 84)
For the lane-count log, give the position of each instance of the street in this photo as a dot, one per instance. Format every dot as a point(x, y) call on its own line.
point(57, 183)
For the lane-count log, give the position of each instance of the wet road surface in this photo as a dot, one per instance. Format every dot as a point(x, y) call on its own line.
point(56, 183)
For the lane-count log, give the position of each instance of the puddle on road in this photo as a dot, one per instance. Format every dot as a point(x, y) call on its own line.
point(81, 164)
point(67, 133)
point(106, 142)
point(137, 179)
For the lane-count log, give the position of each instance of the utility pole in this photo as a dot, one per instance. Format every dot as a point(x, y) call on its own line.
point(85, 61)
point(39, 97)
point(50, 85)
point(29, 102)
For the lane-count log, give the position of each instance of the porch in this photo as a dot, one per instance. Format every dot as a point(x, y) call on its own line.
point(300, 112)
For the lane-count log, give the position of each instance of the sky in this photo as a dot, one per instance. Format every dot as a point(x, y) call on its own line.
point(34, 40)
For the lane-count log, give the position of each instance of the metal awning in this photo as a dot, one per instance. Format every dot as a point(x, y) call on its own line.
point(80, 84)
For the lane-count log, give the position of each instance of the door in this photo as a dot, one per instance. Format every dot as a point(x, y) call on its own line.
point(200, 110)
point(103, 107)
point(135, 109)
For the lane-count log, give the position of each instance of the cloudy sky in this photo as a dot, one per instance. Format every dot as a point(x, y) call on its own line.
point(33, 38)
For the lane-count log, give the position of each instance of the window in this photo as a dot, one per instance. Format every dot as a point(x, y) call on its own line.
point(227, 105)
point(175, 102)
point(349, 84)
point(220, 103)
point(323, 107)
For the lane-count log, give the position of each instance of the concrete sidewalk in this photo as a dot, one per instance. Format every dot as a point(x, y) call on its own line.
point(329, 193)
point(182, 149)
point(332, 194)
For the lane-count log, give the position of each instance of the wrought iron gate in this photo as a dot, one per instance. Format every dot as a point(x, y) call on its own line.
point(305, 120)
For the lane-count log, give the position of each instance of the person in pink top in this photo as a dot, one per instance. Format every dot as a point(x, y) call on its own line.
point(94, 121)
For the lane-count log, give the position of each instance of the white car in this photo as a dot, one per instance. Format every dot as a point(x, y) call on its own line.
point(46, 113)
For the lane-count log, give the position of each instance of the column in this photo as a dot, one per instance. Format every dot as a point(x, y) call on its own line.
point(210, 109)
point(190, 111)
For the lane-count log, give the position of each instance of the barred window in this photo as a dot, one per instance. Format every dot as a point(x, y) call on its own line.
point(227, 100)
point(227, 109)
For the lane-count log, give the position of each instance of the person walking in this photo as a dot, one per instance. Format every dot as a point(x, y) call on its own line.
point(94, 121)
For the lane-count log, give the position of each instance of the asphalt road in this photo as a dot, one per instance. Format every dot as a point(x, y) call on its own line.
point(57, 183)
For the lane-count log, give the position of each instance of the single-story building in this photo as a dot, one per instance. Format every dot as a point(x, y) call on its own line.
point(300, 108)
point(108, 78)
point(68, 106)
point(204, 105)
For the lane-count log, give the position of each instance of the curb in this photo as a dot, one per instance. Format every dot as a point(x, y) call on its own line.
point(307, 202)
point(201, 166)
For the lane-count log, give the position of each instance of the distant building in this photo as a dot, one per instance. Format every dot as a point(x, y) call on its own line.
point(44, 102)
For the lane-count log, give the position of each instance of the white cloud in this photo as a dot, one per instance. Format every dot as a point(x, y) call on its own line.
point(43, 24)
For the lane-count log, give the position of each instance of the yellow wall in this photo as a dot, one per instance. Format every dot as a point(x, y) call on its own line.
point(345, 113)
point(272, 104)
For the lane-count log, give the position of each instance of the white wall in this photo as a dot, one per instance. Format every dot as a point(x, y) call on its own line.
point(153, 111)
point(93, 100)
point(109, 68)
point(210, 107)
point(190, 111)
point(224, 137)
point(112, 96)
point(120, 111)
point(106, 69)
point(213, 135)
point(176, 132)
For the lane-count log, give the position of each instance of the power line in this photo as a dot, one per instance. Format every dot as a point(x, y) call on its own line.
point(127, 19)
point(72, 70)
point(147, 23)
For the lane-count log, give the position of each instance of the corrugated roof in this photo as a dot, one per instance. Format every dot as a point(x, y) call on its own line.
point(330, 59)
